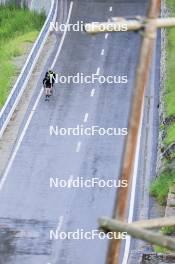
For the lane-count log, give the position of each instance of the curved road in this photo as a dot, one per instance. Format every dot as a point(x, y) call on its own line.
point(29, 208)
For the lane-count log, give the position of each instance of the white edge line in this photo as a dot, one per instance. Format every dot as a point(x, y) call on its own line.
point(19, 142)
point(133, 190)
point(24, 129)
point(28, 76)
point(28, 58)
point(64, 35)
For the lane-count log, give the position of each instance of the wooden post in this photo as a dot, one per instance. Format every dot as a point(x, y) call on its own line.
point(141, 82)
point(139, 233)
point(156, 223)
point(130, 25)
point(149, 25)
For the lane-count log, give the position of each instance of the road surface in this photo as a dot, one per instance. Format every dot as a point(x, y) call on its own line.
point(29, 208)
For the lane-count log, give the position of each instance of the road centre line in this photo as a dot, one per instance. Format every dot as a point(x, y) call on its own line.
point(92, 92)
point(110, 9)
point(60, 222)
point(4, 178)
point(86, 117)
point(102, 52)
point(78, 146)
point(98, 71)
point(106, 35)
point(70, 180)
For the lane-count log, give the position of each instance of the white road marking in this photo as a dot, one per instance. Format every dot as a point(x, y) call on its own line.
point(86, 117)
point(70, 180)
point(135, 172)
point(60, 222)
point(4, 178)
point(98, 71)
point(92, 92)
point(19, 141)
point(106, 35)
point(102, 52)
point(133, 190)
point(64, 35)
point(78, 147)
point(110, 9)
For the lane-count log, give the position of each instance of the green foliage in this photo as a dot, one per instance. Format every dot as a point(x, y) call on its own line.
point(170, 80)
point(168, 230)
point(171, 4)
point(17, 27)
point(170, 137)
point(160, 187)
point(159, 249)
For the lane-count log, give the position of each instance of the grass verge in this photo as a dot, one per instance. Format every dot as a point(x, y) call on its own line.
point(170, 80)
point(168, 231)
point(160, 187)
point(18, 27)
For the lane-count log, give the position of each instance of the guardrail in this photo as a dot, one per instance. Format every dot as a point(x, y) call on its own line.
point(21, 83)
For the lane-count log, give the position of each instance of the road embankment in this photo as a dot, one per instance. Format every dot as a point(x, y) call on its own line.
point(17, 36)
point(163, 187)
point(37, 5)
point(166, 171)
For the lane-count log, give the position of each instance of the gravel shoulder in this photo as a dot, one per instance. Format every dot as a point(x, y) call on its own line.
point(9, 138)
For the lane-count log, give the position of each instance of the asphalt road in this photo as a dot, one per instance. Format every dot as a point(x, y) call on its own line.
point(29, 208)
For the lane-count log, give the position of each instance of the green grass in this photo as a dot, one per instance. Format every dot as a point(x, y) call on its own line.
point(17, 27)
point(168, 231)
point(170, 137)
point(170, 80)
point(160, 187)
point(171, 4)
point(159, 249)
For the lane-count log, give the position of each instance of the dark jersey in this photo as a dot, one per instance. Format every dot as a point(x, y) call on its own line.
point(47, 83)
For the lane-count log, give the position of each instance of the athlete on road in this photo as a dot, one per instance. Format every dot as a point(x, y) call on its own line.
point(48, 83)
